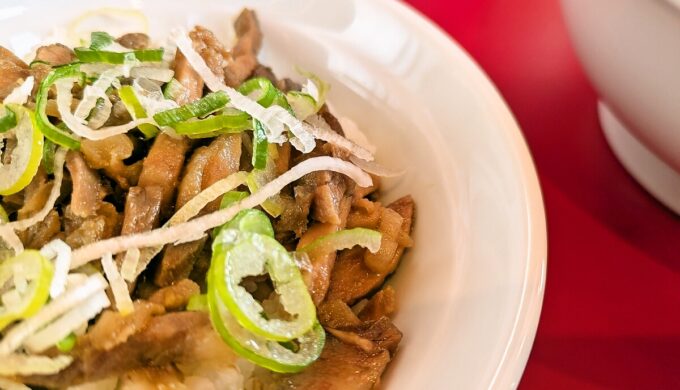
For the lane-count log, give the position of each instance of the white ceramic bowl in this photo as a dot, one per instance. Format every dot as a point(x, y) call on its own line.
point(471, 290)
point(631, 51)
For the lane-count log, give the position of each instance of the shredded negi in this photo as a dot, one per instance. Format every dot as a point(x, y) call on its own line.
point(179, 215)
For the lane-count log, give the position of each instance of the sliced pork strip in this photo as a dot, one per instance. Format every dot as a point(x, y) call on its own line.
point(12, 71)
point(382, 304)
point(208, 165)
point(175, 296)
point(340, 367)
point(109, 155)
point(82, 231)
point(244, 53)
point(162, 167)
point(88, 190)
point(134, 41)
point(188, 77)
point(351, 279)
point(318, 278)
point(162, 341)
point(210, 49)
point(142, 209)
point(55, 54)
point(36, 236)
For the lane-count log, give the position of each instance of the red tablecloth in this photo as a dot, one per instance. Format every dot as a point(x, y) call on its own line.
point(611, 314)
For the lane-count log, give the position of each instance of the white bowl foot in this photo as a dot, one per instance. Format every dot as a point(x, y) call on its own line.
point(662, 181)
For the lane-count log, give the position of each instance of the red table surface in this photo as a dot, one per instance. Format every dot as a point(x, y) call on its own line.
point(611, 313)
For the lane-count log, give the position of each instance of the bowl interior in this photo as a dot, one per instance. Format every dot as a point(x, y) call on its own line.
point(470, 290)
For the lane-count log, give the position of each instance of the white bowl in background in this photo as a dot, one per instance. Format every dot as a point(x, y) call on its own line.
point(631, 52)
point(471, 290)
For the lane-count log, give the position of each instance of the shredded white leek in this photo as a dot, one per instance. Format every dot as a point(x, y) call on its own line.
point(20, 94)
point(62, 263)
point(12, 365)
point(64, 99)
point(65, 302)
point(118, 286)
point(7, 384)
point(23, 224)
point(274, 118)
point(164, 235)
point(68, 323)
point(128, 270)
point(11, 239)
point(96, 91)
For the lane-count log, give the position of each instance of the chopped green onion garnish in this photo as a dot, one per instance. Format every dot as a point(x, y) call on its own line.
point(260, 145)
point(204, 106)
point(260, 89)
point(52, 132)
point(100, 40)
point(49, 148)
point(173, 90)
point(112, 57)
point(230, 121)
point(129, 98)
point(67, 343)
point(8, 120)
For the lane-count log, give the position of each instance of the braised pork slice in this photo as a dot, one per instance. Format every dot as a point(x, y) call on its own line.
point(162, 341)
point(187, 76)
point(134, 41)
point(55, 54)
point(206, 166)
point(142, 209)
point(215, 55)
point(318, 276)
point(162, 167)
point(382, 304)
point(88, 190)
point(12, 71)
point(248, 44)
point(351, 278)
point(175, 296)
point(81, 231)
point(109, 155)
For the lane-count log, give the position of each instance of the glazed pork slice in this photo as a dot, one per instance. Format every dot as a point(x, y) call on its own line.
point(206, 166)
point(12, 71)
point(55, 54)
point(109, 155)
point(88, 190)
point(234, 66)
point(162, 167)
point(155, 341)
point(351, 278)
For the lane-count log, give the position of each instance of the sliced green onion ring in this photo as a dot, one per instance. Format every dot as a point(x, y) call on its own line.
point(344, 239)
point(204, 106)
point(239, 254)
point(260, 89)
point(303, 104)
point(52, 132)
point(8, 119)
point(129, 98)
point(260, 145)
point(26, 155)
point(229, 121)
point(265, 353)
point(87, 55)
point(24, 300)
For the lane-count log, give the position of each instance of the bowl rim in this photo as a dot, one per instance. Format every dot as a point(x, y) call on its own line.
point(509, 371)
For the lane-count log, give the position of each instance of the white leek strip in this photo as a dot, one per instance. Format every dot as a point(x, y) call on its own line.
point(20, 94)
point(95, 91)
point(11, 239)
point(152, 73)
point(118, 286)
point(62, 263)
point(274, 118)
point(64, 99)
point(192, 208)
point(68, 323)
point(67, 301)
point(164, 235)
point(376, 169)
point(12, 365)
point(323, 131)
point(128, 270)
point(7, 384)
point(23, 224)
